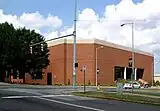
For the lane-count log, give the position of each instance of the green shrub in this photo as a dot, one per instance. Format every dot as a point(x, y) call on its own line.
point(124, 81)
point(154, 83)
point(157, 83)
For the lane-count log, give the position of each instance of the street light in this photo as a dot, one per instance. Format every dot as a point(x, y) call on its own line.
point(96, 62)
point(74, 46)
point(131, 23)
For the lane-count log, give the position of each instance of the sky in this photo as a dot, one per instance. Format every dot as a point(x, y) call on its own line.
point(99, 19)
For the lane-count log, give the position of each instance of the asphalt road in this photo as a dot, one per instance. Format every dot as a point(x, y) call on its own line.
point(15, 99)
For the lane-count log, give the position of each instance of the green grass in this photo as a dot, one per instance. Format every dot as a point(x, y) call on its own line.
point(120, 97)
point(147, 93)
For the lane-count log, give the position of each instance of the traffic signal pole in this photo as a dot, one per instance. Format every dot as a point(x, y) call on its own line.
point(74, 46)
point(65, 36)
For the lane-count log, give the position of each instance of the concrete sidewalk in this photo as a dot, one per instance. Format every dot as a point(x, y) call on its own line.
point(3, 83)
point(49, 86)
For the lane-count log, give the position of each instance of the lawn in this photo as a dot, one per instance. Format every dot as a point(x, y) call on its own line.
point(120, 97)
point(147, 93)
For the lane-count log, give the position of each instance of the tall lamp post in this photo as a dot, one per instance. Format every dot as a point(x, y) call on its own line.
point(131, 23)
point(96, 63)
point(74, 48)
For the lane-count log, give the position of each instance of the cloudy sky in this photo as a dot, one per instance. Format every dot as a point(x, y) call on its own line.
point(96, 19)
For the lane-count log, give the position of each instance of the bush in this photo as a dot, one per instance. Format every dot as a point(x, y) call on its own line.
point(157, 83)
point(124, 81)
point(154, 83)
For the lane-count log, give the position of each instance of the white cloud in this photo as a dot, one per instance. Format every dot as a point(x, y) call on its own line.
point(32, 20)
point(35, 20)
point(146, 16)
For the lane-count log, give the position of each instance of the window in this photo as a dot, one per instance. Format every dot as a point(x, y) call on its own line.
point(118, 72)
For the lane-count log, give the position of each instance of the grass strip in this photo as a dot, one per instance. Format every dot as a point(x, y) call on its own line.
point(147, 93)
point(119, 97)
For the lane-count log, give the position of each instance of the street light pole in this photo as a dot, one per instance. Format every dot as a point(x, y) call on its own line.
point(96, 67)
point(97, 64)
point(132, 51)
point(74, 50)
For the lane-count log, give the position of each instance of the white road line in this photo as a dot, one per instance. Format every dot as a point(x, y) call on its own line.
point(69, 104)
point(55, 95)
point(16, 97)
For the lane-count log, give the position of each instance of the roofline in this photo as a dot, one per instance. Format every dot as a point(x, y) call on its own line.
point(96, 41)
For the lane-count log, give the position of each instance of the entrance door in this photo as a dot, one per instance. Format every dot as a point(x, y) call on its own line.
point(49, 78)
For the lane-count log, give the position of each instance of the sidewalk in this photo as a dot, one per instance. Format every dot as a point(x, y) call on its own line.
point(49, 86)
point(3, 83)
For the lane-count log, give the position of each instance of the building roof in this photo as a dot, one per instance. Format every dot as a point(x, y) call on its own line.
point(96, 41)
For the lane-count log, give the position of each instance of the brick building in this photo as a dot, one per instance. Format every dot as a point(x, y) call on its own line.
point(112, 62)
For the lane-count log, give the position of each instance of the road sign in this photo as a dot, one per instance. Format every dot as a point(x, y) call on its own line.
point(84, 67)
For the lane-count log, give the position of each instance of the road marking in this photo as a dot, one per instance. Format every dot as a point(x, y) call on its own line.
point(69, 104)
point(17, 97)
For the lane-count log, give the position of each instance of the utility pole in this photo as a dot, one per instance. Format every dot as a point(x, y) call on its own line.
point(75, 64)
point(74, 50)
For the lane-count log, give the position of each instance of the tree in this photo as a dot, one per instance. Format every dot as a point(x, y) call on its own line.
point(15, 52)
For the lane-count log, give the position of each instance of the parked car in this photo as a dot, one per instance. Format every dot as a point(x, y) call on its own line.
point(144, 83)
point(128, 85)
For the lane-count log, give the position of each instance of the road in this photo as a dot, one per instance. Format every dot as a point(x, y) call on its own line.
point(54, 99)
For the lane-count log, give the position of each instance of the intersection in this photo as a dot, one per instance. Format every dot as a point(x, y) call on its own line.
point(50, 98)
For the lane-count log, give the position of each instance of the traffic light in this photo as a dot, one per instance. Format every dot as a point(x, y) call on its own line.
point(76, 65)
point(42, 48)
point(130, 62)
point(97, 71)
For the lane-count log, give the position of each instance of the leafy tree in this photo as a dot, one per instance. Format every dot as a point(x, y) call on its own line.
point(15, 49)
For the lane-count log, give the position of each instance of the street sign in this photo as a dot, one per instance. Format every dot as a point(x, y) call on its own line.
point(84, 67)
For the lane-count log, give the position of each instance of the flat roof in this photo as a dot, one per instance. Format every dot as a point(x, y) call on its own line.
point(96, 41)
